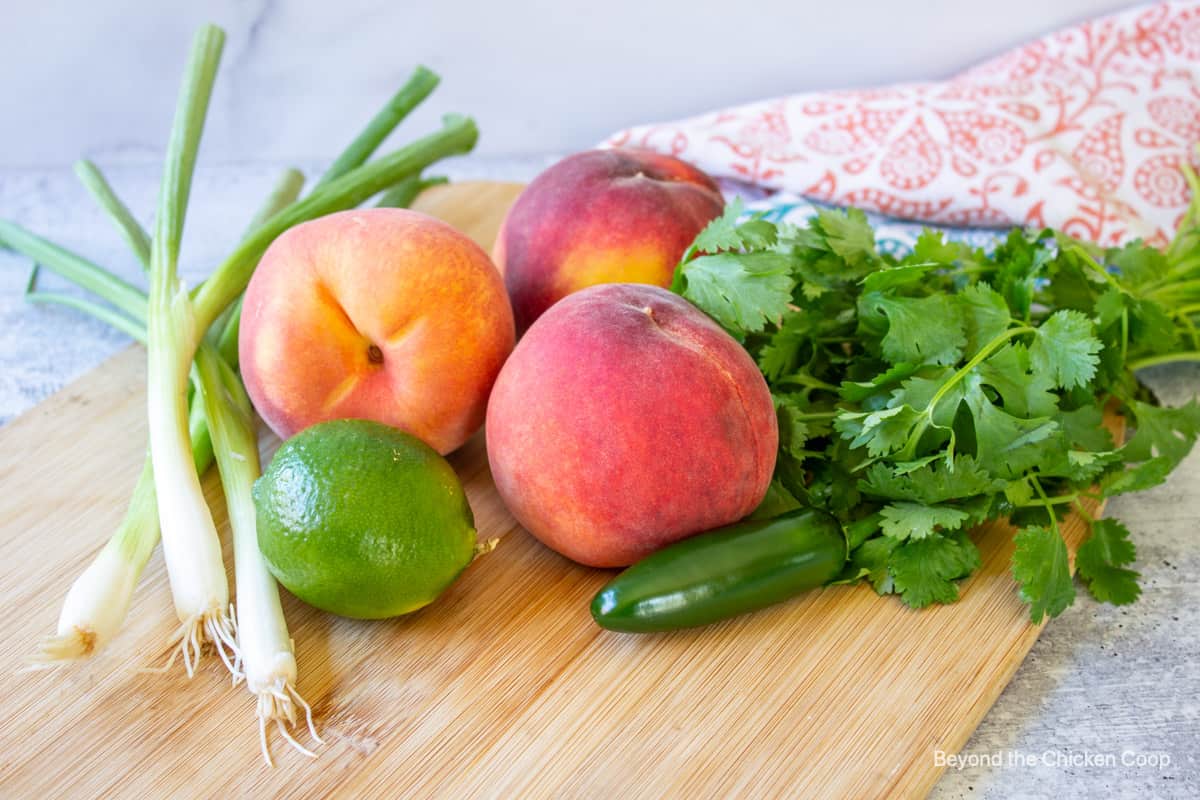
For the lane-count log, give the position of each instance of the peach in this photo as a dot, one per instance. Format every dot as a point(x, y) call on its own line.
point(381, 314)
point(625, 420)
point(601, 216)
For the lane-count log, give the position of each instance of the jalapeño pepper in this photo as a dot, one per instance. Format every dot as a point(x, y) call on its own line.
point(724, 572)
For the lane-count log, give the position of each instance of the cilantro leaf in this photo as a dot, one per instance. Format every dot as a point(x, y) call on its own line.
point(1084, 428)
point(1087, 465)
point(919, 390)
point(986, 315)
point(931, 484)
point(778, 357)
point(1137, 479)
point(920, 329)
point(721, 233)
point(881, 432)
point(778, 500)
point(924, 571)
point(932, 246)
point(1024, 394)
point(1079, 466)
point(741, 291)
point(1163, 432)
point(906, 520)
point(1109, 307)
point(858, 391)
point(968, 554)
point(1151, 329)
point(892, 277)
point(1102, 563)
point(1039, 564)
point(1019, 263)
point(848, 234)
point(1065, 347)
point(1138, 263)
point(1164, 436)
point(757, 233)
point(795, 425)
point(1006, 445)
point(871, 558)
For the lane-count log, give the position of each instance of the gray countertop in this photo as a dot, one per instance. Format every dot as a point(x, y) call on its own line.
point(1103, 686)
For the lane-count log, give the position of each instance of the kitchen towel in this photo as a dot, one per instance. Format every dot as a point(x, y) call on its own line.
point(1084, 130)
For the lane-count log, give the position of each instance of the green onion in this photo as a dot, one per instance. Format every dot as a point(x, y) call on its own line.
point(75, 268)
point(191, 549)
point(135, 235)
point(216, 418)
point(99, 599)
point(287, 188)
point(285, 191)
point(268, 660)
point(406, 191)
point(419, 86)
point(131, 327)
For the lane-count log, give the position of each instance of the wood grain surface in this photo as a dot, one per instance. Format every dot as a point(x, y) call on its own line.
point(503, 688)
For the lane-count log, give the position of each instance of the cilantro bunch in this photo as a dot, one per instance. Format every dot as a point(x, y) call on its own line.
point(922, 396)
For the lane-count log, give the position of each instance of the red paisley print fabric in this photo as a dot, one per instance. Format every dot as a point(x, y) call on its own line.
point(1084, 130)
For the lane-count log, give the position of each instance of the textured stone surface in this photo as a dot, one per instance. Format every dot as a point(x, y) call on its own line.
point(1100, 682)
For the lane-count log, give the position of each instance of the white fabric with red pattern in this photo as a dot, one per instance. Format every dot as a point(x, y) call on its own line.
point(1083, 130)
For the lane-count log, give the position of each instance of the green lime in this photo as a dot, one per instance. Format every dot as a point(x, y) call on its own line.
point(363, 520)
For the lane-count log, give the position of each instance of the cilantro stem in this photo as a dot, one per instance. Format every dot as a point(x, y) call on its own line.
point(1192, 215)
point(1095, 266)
point(976, 360)
point(1177, 270)
point(1045, 502)
point(1124, 334)
point(815, 415)
point(860, 530)
point(804, 379)
point(1172, 290)
point(1037, 487)
point(1186, 321)
point(910, 446)
point(1167, 358)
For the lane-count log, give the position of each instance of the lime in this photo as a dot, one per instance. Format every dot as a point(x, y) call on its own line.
point(363, 520)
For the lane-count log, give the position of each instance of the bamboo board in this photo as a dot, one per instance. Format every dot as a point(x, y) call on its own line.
point(503, 688)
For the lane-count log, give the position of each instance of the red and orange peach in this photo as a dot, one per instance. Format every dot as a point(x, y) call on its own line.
point(601, 216)
point(626, 419)
point(381, 314)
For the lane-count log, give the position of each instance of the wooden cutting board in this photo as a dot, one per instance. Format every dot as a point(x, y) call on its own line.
point(503, 688)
